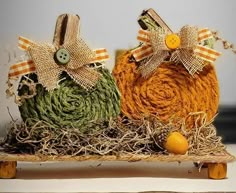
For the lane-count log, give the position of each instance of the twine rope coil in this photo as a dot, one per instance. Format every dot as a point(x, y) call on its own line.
point(169, 92)
point(71, 106)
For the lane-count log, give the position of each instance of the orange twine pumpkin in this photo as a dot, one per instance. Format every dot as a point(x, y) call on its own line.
point(170, 92)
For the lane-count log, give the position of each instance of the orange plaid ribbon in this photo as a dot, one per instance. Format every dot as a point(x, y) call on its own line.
point(203, 52)
point(200, 52)
point(21, 68)
point(27, 67)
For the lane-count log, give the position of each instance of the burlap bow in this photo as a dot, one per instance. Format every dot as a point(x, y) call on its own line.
point(192, 53)
point(48, 71)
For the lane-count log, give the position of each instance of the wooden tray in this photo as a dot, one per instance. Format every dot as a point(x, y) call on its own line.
point(217, 164)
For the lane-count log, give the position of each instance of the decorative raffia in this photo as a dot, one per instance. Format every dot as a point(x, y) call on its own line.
point(169, 92)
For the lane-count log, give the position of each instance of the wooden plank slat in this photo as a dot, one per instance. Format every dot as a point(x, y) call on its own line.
point(225, 157)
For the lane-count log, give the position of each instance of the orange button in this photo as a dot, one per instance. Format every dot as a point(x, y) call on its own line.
point(172, 41)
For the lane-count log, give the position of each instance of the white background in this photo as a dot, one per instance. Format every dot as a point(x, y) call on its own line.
point(112, 24)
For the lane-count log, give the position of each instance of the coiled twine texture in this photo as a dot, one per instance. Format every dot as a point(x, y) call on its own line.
point(170, 92)
point(71, 106)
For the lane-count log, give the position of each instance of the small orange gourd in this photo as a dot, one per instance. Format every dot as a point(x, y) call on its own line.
point(176, 143)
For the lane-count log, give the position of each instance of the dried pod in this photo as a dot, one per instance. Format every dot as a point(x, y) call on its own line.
point(176, 143)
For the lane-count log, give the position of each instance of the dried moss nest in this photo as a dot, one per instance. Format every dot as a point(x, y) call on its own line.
point(114, 137)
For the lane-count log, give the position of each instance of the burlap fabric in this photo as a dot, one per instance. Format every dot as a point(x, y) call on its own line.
point(48, 70)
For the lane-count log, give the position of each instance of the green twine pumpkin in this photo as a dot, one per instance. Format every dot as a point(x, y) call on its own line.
point(71, 106)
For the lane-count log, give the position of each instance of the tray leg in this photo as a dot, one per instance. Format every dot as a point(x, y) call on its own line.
point(217, 170)
point(8, 169)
